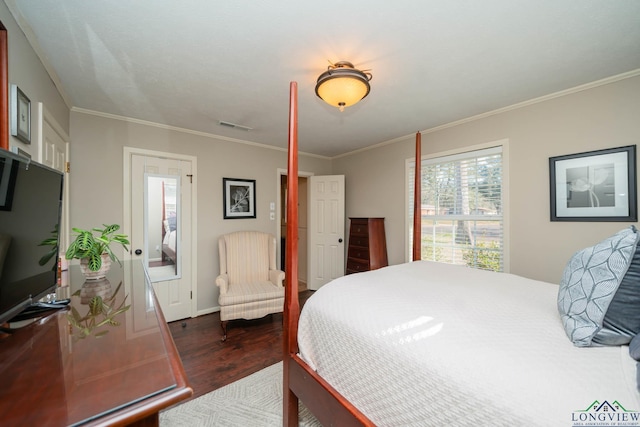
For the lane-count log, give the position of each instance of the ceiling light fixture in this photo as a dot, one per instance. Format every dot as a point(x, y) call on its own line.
point(342, 85)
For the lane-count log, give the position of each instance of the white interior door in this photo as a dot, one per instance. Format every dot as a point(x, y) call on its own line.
point(53, 151)
point(161, 202)
point(326, 229)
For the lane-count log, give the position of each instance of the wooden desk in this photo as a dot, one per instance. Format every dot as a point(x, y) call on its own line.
point(51, 376)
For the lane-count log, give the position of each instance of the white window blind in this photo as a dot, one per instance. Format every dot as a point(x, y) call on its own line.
point(462, 210)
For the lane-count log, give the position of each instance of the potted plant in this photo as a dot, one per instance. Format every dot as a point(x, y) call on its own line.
point(53, 242)
point(92, 248)
point(102, 311)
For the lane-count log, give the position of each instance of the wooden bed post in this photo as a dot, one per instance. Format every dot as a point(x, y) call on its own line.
point(292, 306)
point(300, 382)
point(4, 88)
point(417, 202)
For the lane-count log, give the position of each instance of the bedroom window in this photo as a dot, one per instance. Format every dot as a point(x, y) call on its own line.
point(462, 209)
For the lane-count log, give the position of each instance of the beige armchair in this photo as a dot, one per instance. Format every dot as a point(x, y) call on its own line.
point(250, 285)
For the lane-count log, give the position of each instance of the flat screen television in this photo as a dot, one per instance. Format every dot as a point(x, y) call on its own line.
point(30, 209)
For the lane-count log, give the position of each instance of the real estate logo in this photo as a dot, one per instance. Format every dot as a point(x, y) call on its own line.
point(605, 414)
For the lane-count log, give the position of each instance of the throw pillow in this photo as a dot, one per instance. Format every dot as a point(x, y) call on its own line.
point(634, 347)
point(589, 283)
point(622, 321)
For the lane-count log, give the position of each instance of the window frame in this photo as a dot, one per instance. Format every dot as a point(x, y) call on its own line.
point(410, 167)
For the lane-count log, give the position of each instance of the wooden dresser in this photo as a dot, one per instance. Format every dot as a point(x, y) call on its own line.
point(125, 373)
point(367, 245)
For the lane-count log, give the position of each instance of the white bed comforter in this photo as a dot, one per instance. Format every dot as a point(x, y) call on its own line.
point(430, 344)
point(170, 240)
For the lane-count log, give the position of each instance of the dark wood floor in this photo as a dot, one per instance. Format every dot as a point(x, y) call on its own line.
point(211, 364)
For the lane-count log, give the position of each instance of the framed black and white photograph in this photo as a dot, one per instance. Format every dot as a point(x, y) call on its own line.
point(594, 186)
point(20, 115)
point(239, 198)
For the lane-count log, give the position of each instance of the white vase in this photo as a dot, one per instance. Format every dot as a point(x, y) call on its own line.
point(95, 275)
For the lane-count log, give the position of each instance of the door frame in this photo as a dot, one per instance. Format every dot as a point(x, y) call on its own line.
point(279, 174)
point(44, 116)
point(128, 152)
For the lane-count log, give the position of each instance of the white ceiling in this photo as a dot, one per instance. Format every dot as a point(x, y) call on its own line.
point(192, 63)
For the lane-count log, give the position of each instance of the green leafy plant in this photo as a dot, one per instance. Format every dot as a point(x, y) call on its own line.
point(53, 242)
point(91, 244)
point(486, 256)
point(101, 312)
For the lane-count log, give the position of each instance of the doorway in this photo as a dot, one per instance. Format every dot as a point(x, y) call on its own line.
point(53, 151)
point(302, 227)
point(320, 227)
point(159, 207)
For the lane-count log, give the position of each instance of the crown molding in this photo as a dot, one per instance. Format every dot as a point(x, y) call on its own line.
point(188, 131)
point(570, 91)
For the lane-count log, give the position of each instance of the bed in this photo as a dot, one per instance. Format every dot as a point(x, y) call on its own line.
point(169, 242)
point(169, 231)
point(426, 343)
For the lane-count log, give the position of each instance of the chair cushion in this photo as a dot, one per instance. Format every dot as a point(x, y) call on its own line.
point(245, 292)
point(247, 256)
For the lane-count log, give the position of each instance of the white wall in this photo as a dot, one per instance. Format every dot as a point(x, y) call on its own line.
point(605, 116)
point(601, 117)
point(96, 181)
point(26, 71)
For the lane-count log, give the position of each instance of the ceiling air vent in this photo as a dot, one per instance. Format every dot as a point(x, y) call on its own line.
point(234, 126)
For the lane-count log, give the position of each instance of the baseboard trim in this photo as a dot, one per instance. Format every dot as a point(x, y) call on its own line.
point(207, 311)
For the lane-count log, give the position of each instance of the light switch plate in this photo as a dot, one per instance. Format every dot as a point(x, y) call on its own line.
point(272, 206)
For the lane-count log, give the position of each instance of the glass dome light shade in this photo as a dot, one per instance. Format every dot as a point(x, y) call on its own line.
point(342, 85)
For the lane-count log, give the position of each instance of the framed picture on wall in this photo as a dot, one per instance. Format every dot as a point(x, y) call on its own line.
point(594, 186)
point(239, 198)
point(20, 115)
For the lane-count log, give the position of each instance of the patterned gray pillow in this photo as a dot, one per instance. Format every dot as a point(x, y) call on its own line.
point(589, 283)
point(634, 347)
point(622, 321)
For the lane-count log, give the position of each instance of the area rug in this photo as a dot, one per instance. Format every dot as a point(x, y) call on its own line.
point(255, 400)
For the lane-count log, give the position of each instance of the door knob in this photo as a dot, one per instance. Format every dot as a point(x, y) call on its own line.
point(138, 251)
point(339, 240)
